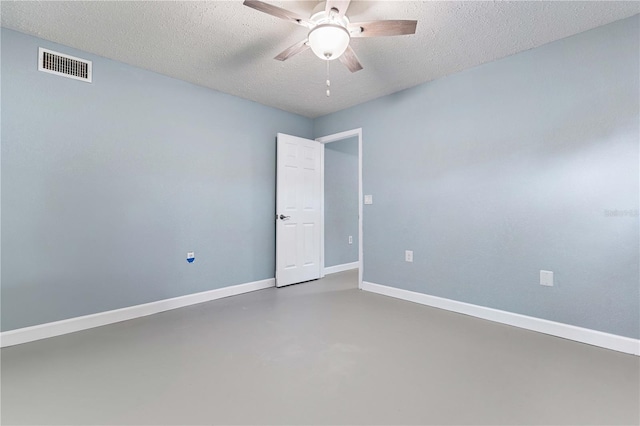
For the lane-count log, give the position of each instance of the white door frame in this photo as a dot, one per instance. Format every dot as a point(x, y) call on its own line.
point(334, 138)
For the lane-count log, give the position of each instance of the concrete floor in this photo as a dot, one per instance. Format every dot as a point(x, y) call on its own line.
point(316, 353)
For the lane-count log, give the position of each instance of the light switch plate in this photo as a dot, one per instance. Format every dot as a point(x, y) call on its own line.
point(368, 199)
point(546, 278)
point(350, 239)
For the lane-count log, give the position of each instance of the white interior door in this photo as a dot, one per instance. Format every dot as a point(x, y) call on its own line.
point(298, 209)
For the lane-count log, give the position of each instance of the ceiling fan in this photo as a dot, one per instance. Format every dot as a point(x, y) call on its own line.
point(330, 30)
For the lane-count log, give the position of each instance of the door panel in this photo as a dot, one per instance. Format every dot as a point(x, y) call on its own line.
point(298, 209)
point(309, 244)
point(290, 247)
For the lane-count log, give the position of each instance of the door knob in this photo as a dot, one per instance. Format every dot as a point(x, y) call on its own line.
point(283, 217)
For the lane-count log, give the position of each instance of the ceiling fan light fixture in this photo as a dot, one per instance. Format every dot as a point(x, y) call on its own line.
point(329, 41)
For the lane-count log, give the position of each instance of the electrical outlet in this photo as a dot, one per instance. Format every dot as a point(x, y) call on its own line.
point(546, 278)
point(408, 256)
point(350, 239)
point(368, 199)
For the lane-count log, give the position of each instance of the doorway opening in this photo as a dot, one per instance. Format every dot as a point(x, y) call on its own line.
point(333, 215)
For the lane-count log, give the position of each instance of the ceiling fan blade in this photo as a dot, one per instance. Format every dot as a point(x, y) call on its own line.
point(341, 5)
point(293, 50)
point(350, 60)
point(278, 12)
point(382, 28)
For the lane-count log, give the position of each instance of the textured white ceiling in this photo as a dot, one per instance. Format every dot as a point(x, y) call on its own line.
point(229, 47)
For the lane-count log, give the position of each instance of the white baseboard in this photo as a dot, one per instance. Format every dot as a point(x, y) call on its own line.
point(566, 331)
point(51, 329)
point(341, 268)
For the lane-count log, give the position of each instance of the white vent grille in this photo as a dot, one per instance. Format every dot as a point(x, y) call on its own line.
point(64, 65)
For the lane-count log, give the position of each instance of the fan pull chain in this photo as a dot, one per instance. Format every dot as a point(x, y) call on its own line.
point(328, 81)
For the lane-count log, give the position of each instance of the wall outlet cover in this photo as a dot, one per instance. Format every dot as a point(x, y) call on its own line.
point(368, 199)
point(408, 255)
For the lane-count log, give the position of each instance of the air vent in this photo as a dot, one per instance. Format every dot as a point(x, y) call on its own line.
point(64, 65)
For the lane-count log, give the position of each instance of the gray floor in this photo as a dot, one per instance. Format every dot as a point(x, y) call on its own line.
point(316, 353)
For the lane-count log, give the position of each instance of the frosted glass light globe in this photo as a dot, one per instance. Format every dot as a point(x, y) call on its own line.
point(329, 41)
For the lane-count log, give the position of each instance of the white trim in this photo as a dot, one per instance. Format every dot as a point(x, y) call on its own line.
point(322, 269)
point(341, 268)
point(360, 213)
point(566, 331)
point(57, 328)
point(333, 138)
point(339, 136)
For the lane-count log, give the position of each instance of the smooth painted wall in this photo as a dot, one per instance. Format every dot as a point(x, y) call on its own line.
point(107, 186)
point(494, 173)
point(341, 201)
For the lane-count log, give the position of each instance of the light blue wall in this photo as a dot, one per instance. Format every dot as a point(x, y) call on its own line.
point(489, 175)
point(494, 173)
point(106, 186)
point(341, 201)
